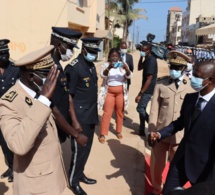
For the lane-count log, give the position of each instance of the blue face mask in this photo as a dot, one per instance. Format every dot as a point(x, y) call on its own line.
point(143, 53)
point(90, 57)
point(175, 74)
point(196, 83)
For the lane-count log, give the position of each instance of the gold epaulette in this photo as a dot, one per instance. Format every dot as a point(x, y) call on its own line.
point(10, 96)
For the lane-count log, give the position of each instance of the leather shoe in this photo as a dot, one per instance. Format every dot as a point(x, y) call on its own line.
point(77, 190)
point(10, 178)
point(86, 180)
point(7, 173)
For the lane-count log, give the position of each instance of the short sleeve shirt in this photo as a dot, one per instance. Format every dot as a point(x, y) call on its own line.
point(150, 68)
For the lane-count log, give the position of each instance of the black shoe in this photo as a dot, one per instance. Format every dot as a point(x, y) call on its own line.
point(141, 133)
point(86, 180)
point(77, 190)
point(10, 178)
point(7, 173)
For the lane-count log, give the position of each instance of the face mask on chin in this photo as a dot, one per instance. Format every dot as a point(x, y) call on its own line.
point(196, 83)
point(43, 81)
point(90, 57)
point(67, 56)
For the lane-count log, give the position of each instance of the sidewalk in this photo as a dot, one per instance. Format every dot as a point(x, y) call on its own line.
point(118, 166)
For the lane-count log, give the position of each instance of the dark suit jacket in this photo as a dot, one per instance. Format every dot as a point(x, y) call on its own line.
point(129, 61)
point(198, 144)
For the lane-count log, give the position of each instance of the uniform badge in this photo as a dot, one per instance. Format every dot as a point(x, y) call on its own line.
point(184, 81)
point(10, 96)
point(28, 101)
point(73, 62)
point(87, 81)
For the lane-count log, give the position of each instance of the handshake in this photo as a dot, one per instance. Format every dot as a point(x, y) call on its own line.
point(153, 137)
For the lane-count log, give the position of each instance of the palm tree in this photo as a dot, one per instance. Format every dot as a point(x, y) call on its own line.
point(124, 14)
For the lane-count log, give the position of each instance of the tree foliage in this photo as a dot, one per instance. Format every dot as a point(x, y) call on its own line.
point(124, 14)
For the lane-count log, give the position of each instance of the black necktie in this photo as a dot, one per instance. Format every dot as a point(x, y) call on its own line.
point(176, 83)
point(197, 110)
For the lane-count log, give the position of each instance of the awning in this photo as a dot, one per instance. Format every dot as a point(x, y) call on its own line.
point(206, 30)
point(103, 34)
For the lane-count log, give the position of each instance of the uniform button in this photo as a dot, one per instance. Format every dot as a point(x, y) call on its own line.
point(2, 80)
point(80, 106)
point(2, 87)
point(40, 173)
point(12, 78)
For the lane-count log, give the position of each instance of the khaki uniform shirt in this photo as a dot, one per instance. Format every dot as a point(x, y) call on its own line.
point(166, 105)
point(30, 132)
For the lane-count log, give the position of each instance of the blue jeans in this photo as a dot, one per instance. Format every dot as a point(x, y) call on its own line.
point(141, 109)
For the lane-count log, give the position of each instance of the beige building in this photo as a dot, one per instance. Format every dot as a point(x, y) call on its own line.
point(173, 30)
point(195, 9)
point(28, 23)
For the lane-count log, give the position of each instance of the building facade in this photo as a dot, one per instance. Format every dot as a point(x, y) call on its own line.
point(173, 29)
point(28, 23)
point(197, 11)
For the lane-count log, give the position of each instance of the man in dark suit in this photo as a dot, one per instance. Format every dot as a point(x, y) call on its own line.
point(194, 160)
point(127, 58)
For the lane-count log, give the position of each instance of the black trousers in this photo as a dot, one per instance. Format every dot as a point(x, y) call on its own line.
point(80, 155)
point(176, 177)
point(7, 153)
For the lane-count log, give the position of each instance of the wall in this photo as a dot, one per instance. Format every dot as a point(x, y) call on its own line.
point(28, 23)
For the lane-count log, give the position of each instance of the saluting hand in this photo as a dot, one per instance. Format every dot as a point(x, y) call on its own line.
point(50, 83)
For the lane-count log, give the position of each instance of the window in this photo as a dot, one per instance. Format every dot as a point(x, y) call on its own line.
point(80, 3)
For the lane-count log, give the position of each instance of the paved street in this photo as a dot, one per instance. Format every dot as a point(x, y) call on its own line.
point(117, 165)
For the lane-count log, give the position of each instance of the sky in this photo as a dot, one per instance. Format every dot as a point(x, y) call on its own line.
point(156, 11)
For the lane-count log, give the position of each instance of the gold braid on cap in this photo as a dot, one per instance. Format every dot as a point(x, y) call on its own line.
point(45, 62)
point(178, 61)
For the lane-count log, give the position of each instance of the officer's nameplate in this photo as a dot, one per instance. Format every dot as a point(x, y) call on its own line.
point(73, 62)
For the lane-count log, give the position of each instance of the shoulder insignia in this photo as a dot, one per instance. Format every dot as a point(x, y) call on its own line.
point(28, 101)
point(10, 96)
point(161, 78)
point(73, 62)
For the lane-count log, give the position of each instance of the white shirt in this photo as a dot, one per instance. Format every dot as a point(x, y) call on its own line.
point(116, 77)
point(206, 97)
point(123, 56)
point(32, 93)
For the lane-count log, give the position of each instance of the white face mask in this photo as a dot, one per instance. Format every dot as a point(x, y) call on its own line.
point(67, 56)
point(43, 80)
point(189, 67)
point(123, 51)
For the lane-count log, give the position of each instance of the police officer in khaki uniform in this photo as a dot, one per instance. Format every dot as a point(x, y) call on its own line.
point(166, 104)
point(8, 76)
point(29, 129)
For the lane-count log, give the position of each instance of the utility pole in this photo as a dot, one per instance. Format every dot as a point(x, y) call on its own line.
point(108, 41)
point(133, 35)
point(137, 38)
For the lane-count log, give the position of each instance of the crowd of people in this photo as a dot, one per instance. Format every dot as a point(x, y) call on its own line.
point(180, 122)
